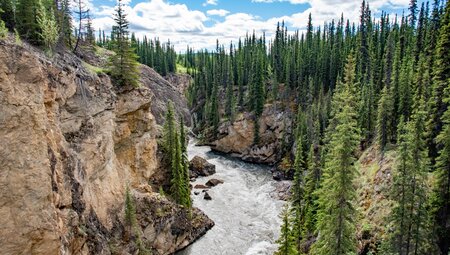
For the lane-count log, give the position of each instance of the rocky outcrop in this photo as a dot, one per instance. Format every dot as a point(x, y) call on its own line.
point(237, 138)
point(180, 81)
point(199, 166)
point(71, 143)
point(374, 183)
point(163, 92)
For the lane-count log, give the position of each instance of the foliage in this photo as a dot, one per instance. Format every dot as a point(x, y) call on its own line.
point(48, 26)
point(123, 65)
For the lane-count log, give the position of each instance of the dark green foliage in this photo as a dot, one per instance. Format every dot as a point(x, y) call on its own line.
point(26, 20)
point(441, 84)
point(286, 242)
point(124, 67)
point(174, 144)
point(336, 216)
point(8, 13)
point(385, 111)
point(410, 221)
point(161, 57)
point(130, 210)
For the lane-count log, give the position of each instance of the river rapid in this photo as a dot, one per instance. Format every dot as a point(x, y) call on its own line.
point(246, 216)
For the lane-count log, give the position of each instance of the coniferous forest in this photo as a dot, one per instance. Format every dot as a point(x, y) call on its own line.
point(383, 82)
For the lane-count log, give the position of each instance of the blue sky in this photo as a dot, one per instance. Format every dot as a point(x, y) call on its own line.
point(199, 23)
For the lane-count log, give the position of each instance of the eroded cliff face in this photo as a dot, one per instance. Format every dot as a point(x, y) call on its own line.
point(237, 137)
point(70, 144)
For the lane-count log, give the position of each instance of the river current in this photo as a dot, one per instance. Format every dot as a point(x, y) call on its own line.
point(246, 216)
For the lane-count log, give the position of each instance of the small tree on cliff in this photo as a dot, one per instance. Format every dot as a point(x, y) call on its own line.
point(175, 147)
point(124, 65)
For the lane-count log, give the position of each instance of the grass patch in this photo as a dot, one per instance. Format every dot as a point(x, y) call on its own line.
point(94, 69)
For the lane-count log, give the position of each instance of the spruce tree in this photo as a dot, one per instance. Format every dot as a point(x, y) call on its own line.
point(441, 76)
point(297, 193)
point(124, 67)
point(49, 30)
point(385, 111)
point(286, 241)
point(336, 222)
point(441, 80)
point(8, 13)
point(26, 20)
point(409, 220)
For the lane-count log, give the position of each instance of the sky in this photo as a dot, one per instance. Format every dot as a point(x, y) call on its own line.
point(199, 23)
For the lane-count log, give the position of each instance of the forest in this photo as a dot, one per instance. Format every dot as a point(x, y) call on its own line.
point(384, 82)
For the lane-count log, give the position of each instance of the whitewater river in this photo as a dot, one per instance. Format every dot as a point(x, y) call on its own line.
point(245, 214)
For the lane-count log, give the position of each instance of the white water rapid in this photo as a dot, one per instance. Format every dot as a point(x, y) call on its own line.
point(245, 215)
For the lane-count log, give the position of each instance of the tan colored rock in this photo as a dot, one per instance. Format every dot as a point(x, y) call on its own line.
point(71, 142)
point(237, 138)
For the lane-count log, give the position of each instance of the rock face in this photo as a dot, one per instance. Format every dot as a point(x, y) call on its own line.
point(198, 166)
point(237, 138)
point(71, 143)
point(163, 92)
point(180, 81)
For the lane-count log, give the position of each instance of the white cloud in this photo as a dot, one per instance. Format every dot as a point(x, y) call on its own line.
point(210, 2)
point(183, 26)
point(217, 12)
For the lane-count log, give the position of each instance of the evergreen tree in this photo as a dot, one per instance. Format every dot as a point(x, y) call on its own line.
point(441, 84)
point(297, 195)
point(130, 211)
point(286, 242)
point(26, 20)
point(47, 25)
point(336, 223)
point(8, 13)
point(441, 75)
point(385, 111)
point(124, 66)
point(409, 219)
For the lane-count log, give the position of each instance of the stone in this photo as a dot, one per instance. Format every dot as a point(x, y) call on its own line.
point(213, 182)
point(199, 166)
point(207, 196)
point(201, 186)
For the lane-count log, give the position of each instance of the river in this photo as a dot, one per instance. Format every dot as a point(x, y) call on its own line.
point(245, 215)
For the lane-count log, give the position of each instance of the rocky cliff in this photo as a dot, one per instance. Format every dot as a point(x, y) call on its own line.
point(237, 137)
point(71, 143)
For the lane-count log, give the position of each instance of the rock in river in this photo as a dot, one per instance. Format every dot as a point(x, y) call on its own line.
point(207, 196)
point(200, 167)
point(213, 182)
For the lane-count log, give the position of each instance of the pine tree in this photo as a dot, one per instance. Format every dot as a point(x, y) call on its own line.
point(441, 80)
point(123, 65)
point(385, 111)
point(286, 242)
point(336, 222)
point(410, 221)
point(441, 76)
point(8, 14)
point(26, 20)
point(130, 210)
point(47, 25)
point(297, 195)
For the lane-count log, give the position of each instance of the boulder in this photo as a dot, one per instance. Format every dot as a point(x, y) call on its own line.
point(200, 167)
point(213, 182)
point(207, 196)
point(200, 186)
